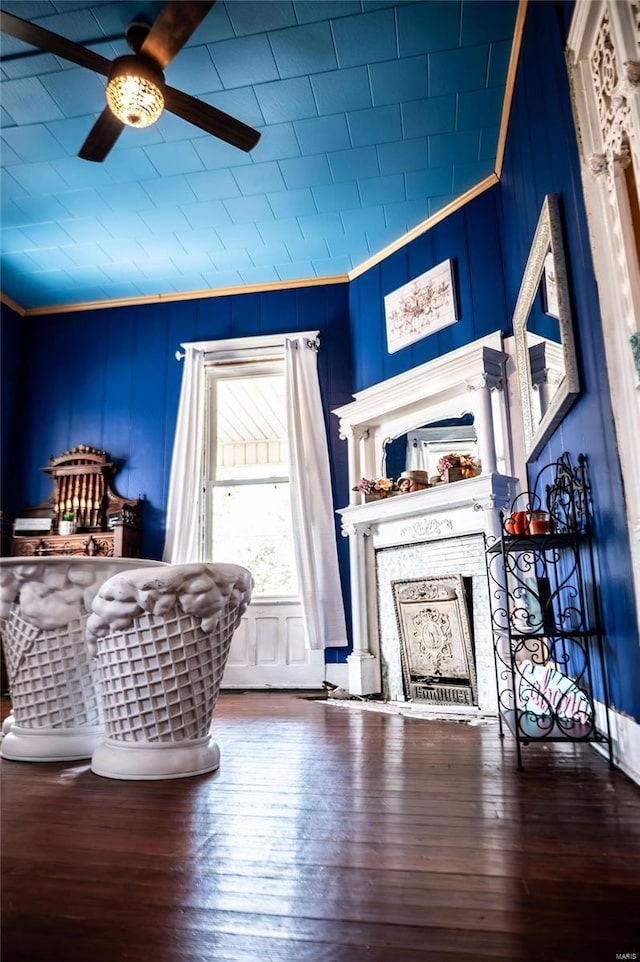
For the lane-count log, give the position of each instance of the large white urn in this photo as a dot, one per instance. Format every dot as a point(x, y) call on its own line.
point(45, 603)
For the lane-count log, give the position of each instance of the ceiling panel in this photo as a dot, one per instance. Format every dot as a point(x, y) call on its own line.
point(373, 115)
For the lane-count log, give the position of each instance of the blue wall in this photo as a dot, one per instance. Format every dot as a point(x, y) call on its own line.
point(489, 241)
point(471, 239)
point(542, 158)
point(10, 353)
point(109, 378)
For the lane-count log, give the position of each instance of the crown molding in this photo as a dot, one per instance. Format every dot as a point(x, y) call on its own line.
point(417, 231)
point(12, 304)
point(511, 82)
point(175, 296)
point(423, 227)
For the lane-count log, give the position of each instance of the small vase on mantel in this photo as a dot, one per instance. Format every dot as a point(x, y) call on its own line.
point(452, 474)
point(66, 527)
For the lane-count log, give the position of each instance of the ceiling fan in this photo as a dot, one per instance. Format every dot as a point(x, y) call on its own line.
point(136, 91)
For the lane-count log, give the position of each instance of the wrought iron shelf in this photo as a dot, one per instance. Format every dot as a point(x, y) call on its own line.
point(535, 728)
point(549, 678)
point(556, 634)
point(529, 542)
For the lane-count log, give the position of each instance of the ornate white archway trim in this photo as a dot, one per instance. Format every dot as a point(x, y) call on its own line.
point(604, 73)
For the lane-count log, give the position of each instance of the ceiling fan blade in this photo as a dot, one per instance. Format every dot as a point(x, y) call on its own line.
point(53, 43)
point(172, 28)
point(102, 137)
point(210, 119)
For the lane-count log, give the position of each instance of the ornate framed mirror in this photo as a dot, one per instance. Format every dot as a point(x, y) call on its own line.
point(542, 326)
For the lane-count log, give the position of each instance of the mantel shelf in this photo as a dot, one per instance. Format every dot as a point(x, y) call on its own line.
point(469, 491)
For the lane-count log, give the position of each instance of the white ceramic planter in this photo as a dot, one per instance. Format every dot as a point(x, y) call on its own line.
point(162, 639)
point(44, 606)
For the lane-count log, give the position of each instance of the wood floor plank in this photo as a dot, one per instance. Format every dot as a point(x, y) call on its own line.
point(330, 834)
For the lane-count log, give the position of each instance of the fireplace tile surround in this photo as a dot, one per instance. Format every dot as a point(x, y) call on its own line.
point(463, 556)
point(438, 663)
point(439, 531)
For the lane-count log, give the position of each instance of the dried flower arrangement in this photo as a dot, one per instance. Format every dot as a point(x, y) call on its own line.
point(382, 487)
point(469, 466)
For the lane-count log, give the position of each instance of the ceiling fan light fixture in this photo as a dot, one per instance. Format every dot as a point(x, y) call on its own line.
point(134, 92)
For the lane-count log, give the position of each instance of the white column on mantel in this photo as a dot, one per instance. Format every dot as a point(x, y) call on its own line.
point(491, 506)
point(352, 461)
point(355, 438)
point(367, 469)
point(363, 665)
point(481, 386)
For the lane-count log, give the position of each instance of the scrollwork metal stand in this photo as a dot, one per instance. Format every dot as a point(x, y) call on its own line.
point(548, 646)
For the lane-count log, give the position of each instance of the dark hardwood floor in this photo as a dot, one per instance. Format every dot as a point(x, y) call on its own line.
point(329, 834)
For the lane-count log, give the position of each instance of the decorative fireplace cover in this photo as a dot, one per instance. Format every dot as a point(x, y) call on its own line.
point(435, 640)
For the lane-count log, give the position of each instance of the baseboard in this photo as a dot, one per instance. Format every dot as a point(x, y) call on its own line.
point(625, 736)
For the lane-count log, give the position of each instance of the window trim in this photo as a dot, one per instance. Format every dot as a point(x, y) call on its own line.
point(222, 359)
point(246, 348)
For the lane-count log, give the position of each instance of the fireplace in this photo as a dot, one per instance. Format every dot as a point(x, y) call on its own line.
point(431, 535)
point(436, 644)
point(436, 559)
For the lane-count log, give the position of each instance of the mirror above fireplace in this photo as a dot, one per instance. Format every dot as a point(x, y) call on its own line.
point(462, 392)
point(422, 447)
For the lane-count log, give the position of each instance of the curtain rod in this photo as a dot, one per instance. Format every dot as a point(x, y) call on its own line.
point(229, 362)
point(313, 343)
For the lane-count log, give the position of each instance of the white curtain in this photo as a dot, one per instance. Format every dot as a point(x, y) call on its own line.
point(184, 541)
point(311, 502)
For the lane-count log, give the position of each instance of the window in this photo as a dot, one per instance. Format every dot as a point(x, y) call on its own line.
point(248, 520)
point(234, 487)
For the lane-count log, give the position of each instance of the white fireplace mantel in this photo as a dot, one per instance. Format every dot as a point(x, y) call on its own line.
point(469, 379)
point(444, 511)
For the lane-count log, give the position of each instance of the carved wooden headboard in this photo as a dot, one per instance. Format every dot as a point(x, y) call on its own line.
point(82, 486)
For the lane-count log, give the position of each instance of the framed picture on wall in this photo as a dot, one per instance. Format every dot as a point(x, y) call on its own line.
point(421, 307)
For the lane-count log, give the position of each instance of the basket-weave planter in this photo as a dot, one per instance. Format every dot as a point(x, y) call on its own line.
point(162, 640)
point(45, 604)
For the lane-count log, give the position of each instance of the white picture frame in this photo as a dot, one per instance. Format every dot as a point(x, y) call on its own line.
point(421, 307)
